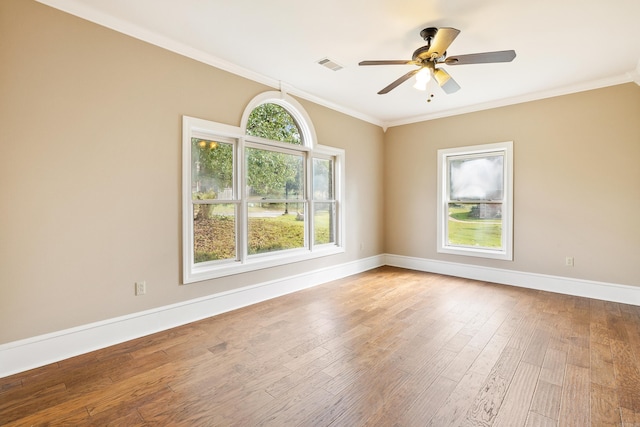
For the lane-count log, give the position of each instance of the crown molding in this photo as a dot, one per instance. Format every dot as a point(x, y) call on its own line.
point(83, 11)
point(77, 8)
point(535, 96)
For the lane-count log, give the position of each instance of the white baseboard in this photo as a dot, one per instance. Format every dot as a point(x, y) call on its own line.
point(19, 356)
point(564, 285)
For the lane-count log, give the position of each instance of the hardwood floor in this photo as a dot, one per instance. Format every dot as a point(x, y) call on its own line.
point(389, 347)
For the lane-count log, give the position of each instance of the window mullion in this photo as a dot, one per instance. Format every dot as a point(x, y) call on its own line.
point(487, 201)
point(242, 213)
point(309, 205)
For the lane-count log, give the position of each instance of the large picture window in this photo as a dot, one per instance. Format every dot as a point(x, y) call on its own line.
point(475, 213)
point(258, 196)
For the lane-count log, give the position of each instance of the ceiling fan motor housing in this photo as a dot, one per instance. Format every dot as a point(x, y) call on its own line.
point(422, 54)
point(428, 33)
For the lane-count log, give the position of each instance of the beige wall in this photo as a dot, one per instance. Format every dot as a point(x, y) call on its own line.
point(90, 168)
point(576, 183)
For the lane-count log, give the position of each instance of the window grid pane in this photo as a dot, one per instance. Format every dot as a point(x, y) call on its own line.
point(274, 175)
point(211, 170)
point(273, 230)
point(272, 121)
point(323, 179)
point(477, 225)
point(324, 219)
point(476, 178)
point(214, 232)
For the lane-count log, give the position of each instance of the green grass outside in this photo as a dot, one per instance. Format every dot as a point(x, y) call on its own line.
point(214, 238)
point(467, 231)
point(277, 233)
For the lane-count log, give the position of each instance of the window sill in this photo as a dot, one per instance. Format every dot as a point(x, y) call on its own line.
point(476, 252)
point(215, 270)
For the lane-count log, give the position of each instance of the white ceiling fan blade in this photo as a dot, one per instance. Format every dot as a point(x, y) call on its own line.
point(445, 81)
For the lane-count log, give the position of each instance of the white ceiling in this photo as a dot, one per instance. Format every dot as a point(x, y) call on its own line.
point(562, 46)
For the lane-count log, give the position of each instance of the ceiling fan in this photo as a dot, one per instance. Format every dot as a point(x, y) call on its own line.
point(435, 53)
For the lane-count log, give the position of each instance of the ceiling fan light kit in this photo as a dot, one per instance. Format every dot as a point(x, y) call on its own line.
point(422, 78)
point(435, 53)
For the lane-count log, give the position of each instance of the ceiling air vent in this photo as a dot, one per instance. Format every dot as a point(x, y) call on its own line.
point(326, 62)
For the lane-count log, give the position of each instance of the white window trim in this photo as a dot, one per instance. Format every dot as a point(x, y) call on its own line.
point(338, 154)
point(198, 272)
point(506, 252)
point(293, 107)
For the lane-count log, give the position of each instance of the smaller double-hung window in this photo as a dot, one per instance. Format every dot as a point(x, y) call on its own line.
point(475, 201)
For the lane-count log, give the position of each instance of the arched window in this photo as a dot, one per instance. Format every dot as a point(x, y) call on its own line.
point(274, 122)
point(261, 195)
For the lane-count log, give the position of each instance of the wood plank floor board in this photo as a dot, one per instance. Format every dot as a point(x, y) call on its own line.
point(127, 408)
point(309, 343)
point(389, 334)
point(546, 399)
point(537, 347)
point(575, 409)
point(604, 406)
point(48, 397)
point(12, 383)
point(388, 347)
point(289, 403)
point(357, 366)
point(456, 405)
point(291, 411)
point(490, 354)
point(130, 418)
point(537, 420)
point(630, 418)
point(513, 321)
point(70, 417)
point(488, 400)
point(602, 370)
point(579, 356)
point(428, 401)
point(132, 389)
point(627, 375)
point(515, 406)
point(553, 366)
point(632, 326)
point(482, 336)
point(296, 381)
point(522, 336)
point(326, 411)
point(462, 362)
point(371, 395)
point(412, 355)
point(418, 394)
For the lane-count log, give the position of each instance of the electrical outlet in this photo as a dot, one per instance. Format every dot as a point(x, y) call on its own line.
point(568, 261)
point(141, 288)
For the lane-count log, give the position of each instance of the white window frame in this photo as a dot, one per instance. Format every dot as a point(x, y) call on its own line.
point(506, 251)
point(194, 127)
